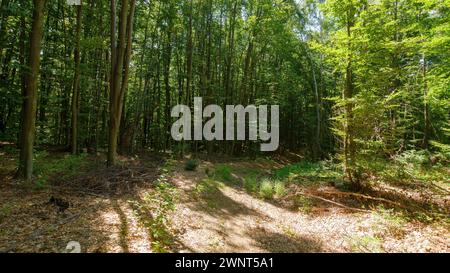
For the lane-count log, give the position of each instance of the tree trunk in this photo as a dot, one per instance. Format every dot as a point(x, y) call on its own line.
point(119, 81)
point(426, 107)
point(29, 111)
point(76, 85)
point(349, 140)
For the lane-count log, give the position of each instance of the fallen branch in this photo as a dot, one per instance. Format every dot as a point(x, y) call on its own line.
point(365, 197)
point(384, 200)
point(333, 202)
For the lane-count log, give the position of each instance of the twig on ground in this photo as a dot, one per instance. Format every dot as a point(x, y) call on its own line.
point(333, 202)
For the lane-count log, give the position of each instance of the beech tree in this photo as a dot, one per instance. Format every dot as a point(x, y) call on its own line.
point(30, 96)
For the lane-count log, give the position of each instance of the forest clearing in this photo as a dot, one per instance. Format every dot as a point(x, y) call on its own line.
point(205, 126)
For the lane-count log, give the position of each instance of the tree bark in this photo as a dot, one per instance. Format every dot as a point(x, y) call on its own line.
point(426, 107)
point(349, 139)
point(119, 81)
point(76, 84)
point(29, 112)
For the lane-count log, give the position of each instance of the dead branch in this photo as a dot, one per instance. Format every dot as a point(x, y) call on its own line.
point(333, 202)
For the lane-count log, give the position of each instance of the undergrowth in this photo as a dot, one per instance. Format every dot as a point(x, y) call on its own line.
point(153, 211)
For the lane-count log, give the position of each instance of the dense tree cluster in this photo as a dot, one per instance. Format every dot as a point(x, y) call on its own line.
point(361, 78)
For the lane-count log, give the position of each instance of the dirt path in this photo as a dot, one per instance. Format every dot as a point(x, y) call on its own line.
point(231, 220)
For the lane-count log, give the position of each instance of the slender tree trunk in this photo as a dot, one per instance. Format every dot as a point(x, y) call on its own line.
point(119, 81)
point(76, 84)
point(189, 57)
point(29, 112)
point(116, 85)
point(349, 140)
point(168, 60)
point(426, 107)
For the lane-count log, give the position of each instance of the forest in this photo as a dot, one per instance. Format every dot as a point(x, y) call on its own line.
point(88, 162)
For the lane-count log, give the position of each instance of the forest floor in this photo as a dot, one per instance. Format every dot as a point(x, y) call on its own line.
point(153, 204)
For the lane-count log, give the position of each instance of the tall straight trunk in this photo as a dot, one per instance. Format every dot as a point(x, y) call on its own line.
point(349, 138)
point(29, 111)
point(113, 41)
point(116, 85)
point(76, 84)
point(119, 81)
point(228, 81)
point(112, 143)
point(168, 88)
point(426, 106)
point(189, 58)
point(317, 141)
point(23, 78)
point(229, 65)
point(126, 73)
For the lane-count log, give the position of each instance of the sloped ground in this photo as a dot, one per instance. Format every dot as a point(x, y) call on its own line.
point(209, 215)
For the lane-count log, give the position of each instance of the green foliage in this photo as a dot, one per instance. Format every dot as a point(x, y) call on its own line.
point(387, 222)
point(307, 172)
point(398, 90)
point(153, 211)
point(191, 165)
point(303, 167)
point(413, 158)
point(207, 187)
point(223, 173)
point(266, 189)
point(391, 57)
point(48, 167)
point(250, 183)
point(413, 166)
point(279, 188)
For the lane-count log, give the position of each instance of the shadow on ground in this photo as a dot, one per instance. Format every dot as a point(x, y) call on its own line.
point(282, 243)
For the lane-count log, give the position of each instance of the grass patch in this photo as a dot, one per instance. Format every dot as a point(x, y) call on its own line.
point(153, 211)
point(251, 184)
point(46, 167)
point(279, 188)
point(224, 173)
point(306, 172)
point(266, 189)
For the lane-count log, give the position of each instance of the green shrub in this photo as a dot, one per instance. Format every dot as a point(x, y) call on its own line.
point(152, 211)
point(191, 165)
point(251, 183)
point(412, 158)
point(266, 189)
point(280, 188)
point(223, 173)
